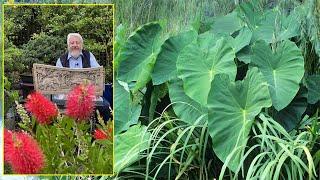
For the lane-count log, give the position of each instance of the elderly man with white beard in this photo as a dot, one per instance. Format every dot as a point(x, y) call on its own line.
point(76, 57)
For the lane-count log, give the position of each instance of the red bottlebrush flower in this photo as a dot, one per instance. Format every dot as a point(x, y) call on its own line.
point(80, 103)
point(22, 152)
point(8, 142)
point(41, 108)
point(100, 134)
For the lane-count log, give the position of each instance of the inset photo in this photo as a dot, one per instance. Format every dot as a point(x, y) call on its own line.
point(58, 89)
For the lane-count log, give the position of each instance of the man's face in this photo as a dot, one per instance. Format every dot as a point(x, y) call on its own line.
point(75, 46)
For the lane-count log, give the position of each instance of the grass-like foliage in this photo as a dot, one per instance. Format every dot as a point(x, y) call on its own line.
point(276, 154)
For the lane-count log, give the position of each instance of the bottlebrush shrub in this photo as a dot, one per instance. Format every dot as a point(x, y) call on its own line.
point(68, 145)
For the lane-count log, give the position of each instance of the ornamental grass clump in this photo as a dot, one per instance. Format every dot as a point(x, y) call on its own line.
point(23, 153)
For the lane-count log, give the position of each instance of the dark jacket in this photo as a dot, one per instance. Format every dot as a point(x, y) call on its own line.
point(85, 59)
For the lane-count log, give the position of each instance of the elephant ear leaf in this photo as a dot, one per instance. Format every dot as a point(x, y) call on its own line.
point(200, 61)
point(184, 107)
point(232, 107)
point(126, 111)
point(139, 54)
point(283, 70)
point(290, 116)
point(227, 24)
point(165, 69)
point(129, 145)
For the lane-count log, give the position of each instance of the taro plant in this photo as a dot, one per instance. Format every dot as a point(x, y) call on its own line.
point(235, 99)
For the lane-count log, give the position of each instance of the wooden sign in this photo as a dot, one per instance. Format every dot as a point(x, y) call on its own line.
point(56, 80)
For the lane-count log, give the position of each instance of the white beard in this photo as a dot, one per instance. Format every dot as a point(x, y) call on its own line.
point(75, 53)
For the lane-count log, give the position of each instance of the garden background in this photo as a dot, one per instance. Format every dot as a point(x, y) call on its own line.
point(37, 34)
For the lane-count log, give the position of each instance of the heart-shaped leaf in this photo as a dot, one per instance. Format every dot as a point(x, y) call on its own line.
point(185, 108)
point(126, 112)
point(275, 26)
point(129, 145)
point(245, 54)
point(283, 70)
point(165, 68)
point(139, 55)
point(270, 25)
point(242, 39)
point(290, 116)
point(200, 61)
point(232, 108)
point(250, 13)
point(227, 24)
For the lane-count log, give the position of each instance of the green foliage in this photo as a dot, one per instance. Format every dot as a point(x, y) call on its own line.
point(69, 147)
point(282, 68)
point(177, 14)
point(232, 107)
point(10, 96)
point(42, 48)
point(39, 33)
point(227, 24)
point(199, 62)
point(203, 73)
point(277, 154)
point(187, 109)
point(139, 54)
point(127, 111)
point(13, 61)
point(118, 44)
point(128, 151)
point(21, 22)
point(290, 116)
point(313, 88)
point(169, 53)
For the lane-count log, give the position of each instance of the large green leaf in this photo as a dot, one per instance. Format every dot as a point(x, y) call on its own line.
point(264, 29)
point(250, 13)
point(313, 85)
point(126, 112)
point(245, 54)
point(185, 108)
point(200, 61)
point(129, 145)
point(232, 108)
point(290, 26)
point(290, 116)
point(270, 25)
point(165, 67)
point(139, 55)
point(282, 69)
point(275, 26)
point(242, 39)
point(227, 24)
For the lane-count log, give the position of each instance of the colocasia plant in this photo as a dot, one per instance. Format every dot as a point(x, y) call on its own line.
point(47, 142)
point(235, 97)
